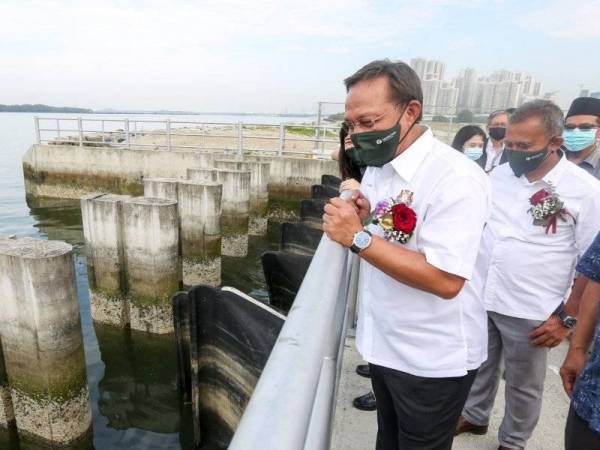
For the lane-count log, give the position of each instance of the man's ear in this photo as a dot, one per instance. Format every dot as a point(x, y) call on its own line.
point(556, 142)
point(413, 110)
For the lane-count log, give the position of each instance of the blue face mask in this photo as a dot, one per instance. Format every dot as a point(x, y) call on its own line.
point(577, 140)
point(473, 153)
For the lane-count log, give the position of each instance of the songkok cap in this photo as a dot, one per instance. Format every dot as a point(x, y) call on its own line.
point(585, 106)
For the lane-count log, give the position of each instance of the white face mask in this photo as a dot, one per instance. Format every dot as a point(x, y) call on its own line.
point(473, 153)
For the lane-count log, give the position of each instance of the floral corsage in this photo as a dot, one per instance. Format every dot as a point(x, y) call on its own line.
point(547, 208)
point(396, 217)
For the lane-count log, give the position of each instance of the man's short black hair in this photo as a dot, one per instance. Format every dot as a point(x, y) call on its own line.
point(404, 81)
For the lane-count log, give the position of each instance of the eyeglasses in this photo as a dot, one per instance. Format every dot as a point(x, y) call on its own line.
point(582, 127)
point(364, 123)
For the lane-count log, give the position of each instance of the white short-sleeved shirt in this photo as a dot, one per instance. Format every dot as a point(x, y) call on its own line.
point(521, 270)
point(405, 328)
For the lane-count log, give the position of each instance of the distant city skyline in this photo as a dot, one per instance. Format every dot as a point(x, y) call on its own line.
point(501, 89)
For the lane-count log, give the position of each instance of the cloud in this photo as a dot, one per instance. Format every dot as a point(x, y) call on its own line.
point(575, 20)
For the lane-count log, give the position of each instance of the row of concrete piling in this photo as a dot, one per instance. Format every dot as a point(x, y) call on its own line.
point(143, 249)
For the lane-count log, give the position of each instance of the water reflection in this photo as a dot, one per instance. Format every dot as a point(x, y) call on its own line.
point(139, 388)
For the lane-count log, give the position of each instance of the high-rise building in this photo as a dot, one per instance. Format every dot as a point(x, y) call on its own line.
point(419, 65)
point(500, 90)
point(431, 73)
point(447, 99)
point(431, 87)
point(466, 84)
point(436, 68)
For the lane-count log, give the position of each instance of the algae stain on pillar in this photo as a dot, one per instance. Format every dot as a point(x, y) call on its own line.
point(42, 341)
point(259, 191)
point(102, 227)
point(152, 263)
point(199, 213)
point(235, 206)
point(200, 218)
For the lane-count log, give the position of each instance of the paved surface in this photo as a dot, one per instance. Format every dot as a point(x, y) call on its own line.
point(355, 430)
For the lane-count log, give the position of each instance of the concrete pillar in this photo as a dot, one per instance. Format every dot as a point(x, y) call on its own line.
point(202, 174)
point(200, 221)
point(102, 227)
point(199, 212)
point(152, 263)
point(259, 191)
point(42, 341)
point(7, 414)
point(161, 188)
point(235, 207)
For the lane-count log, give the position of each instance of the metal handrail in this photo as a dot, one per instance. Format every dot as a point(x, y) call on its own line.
point(172, 128)
point(293, 403)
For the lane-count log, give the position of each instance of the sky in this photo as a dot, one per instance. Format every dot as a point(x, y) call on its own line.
point(276, 55)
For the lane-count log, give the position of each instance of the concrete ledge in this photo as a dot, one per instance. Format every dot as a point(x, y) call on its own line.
point(67, 171)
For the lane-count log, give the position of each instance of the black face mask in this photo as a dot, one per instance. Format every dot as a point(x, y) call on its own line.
point(497, 133)
point(524, 162)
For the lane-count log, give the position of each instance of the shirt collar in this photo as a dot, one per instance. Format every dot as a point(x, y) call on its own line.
point(554, 176)
point(490, 147)
point(408, 162)
point(593, 159)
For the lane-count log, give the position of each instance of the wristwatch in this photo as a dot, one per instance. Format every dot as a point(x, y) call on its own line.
point(362, 240)
point(567, 321)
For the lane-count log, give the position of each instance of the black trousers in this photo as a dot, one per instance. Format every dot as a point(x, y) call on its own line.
point(417, 412)
point(578, 436)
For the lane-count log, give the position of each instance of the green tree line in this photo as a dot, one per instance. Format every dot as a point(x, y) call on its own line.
point(42, 108)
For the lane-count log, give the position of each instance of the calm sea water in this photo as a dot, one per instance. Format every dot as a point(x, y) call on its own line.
point(131, 375)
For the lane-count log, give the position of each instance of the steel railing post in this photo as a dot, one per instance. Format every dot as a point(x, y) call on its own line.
point(126, 121)
point(240, 138)
point(281, 138)
point(449, 135)
point(36, 124)
point(318, 124)
point(169, 134)
point(80, 131)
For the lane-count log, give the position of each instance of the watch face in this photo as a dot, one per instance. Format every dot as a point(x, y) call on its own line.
point(570, 322)
point(362, 239)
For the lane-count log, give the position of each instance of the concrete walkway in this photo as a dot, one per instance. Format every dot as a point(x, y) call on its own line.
point(356, 430)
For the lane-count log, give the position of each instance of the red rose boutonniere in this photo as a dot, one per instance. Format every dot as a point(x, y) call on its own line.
point(547, 208)
point(396, 217)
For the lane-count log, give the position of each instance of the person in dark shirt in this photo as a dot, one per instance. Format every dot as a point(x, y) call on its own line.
point(582, 134)
point(581, 379)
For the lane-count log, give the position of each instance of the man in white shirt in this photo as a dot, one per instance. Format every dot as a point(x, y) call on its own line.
point(493, 154)
point(545, 214)
point(413, 325)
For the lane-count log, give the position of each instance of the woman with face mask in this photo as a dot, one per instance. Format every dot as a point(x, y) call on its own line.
point(470, 140)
